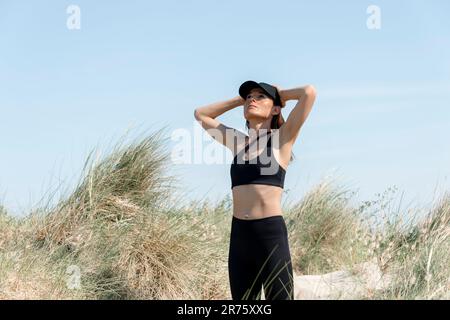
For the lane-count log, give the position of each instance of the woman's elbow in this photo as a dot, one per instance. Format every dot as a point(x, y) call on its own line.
point(310, 90)
point(197, 114)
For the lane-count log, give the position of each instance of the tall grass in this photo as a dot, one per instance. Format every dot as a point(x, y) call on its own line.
point(123, 233)
point(418, 254)
point(324, 230)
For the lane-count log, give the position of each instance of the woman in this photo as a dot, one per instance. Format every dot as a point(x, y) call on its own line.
point(259, 254)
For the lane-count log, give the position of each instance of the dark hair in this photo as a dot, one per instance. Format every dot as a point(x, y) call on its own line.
point(273, 125)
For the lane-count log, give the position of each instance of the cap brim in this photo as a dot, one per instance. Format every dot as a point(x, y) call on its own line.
point(247, 86)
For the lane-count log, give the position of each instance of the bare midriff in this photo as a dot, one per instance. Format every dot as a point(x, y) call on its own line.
point(256, 201)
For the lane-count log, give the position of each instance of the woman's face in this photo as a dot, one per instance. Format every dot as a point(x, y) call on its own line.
point(257, 104)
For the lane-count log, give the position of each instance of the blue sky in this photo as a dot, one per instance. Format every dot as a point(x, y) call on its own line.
point(381, 116)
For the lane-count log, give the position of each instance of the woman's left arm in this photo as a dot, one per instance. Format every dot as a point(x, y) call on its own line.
point(306, 96)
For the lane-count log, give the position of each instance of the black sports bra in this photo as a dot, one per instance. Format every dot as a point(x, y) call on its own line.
point(268, 172)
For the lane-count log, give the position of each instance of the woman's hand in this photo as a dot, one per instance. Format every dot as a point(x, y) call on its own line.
point(282, 96)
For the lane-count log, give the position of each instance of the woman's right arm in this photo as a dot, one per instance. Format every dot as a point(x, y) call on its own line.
point(207, 115)
point(216, 109)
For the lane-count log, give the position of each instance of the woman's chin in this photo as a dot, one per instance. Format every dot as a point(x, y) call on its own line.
point(252, 113)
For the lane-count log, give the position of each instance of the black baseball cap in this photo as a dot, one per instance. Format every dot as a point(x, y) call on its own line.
point(272, 91)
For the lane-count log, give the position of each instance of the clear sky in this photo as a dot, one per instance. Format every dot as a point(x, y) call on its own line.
point(381, 116)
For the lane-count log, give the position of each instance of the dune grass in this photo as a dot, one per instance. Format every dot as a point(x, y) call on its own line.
point(124, 234)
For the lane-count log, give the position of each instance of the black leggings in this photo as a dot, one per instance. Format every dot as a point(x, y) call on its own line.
point(259, 256)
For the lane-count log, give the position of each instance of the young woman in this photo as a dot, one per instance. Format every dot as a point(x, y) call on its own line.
point(259, 254)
